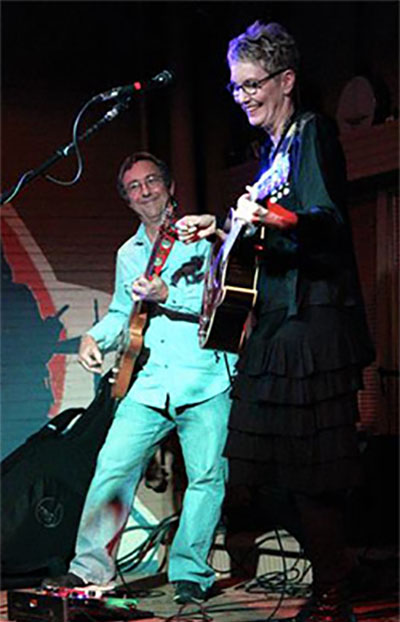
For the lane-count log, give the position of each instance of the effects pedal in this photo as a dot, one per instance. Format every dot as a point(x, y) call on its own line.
point(72, 605)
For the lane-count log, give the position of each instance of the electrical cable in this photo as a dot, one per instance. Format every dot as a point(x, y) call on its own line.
point(277, 574)
point(131, 560)
point(180, 615)
point(275, 536)
point(79, 158)
point(287, 582)
point(18, 186)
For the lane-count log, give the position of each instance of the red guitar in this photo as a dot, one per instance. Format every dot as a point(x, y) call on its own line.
point(131, 338)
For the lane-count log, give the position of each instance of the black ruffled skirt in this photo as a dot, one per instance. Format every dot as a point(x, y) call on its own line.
point(294, 410)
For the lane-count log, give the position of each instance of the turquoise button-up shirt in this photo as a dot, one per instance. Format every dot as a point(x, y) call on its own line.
point(177, 368)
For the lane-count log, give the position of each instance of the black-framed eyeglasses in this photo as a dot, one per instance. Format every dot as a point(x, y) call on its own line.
point(151, 181)
point(250, 87)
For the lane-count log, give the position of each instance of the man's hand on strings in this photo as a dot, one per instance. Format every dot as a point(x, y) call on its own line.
point(195, 227)
point(89, 355)
point(154, 290)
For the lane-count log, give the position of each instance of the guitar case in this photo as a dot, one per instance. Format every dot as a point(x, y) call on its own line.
point(43, 486)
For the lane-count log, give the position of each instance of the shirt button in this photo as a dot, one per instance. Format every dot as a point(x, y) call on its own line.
point(162, 341)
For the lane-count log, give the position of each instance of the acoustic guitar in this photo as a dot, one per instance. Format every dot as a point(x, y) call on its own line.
point(230, 286)
point(132, 336)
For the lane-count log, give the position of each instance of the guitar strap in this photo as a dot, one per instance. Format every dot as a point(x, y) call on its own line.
point(292, 127)
point(164, 242)
point(161, 251)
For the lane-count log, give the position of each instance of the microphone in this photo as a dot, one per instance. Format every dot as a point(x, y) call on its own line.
point(164, 78)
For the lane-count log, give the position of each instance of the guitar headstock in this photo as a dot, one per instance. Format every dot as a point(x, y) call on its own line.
point(273, 180)
point(169, 213)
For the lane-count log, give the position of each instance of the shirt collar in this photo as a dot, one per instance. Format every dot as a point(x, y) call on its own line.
point(141, 236)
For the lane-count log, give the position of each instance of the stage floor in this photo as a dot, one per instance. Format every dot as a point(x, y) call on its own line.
point(232, 603)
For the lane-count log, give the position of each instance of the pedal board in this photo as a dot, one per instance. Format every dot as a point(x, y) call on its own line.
point(71, 605)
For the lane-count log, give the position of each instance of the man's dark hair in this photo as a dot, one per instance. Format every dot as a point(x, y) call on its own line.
point(137, 157)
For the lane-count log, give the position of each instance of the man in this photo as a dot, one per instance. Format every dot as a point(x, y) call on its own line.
point(179, 386)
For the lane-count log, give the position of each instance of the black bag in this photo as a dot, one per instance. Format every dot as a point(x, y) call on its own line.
point(43, 484)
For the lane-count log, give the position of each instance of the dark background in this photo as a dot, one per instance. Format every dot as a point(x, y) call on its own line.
point(69, 51)
point(57, 55)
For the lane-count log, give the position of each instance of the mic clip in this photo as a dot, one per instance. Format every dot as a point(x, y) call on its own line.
point(115, 93)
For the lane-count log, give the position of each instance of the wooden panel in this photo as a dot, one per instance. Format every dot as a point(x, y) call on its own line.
point(363, 219)
point(371, 151)
point(387, 285)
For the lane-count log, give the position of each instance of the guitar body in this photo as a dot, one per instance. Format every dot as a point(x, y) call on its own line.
point(230, 287)
point(230, 292)
point(129, 349)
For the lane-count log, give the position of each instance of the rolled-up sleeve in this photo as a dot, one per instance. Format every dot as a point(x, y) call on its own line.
point(107, 331)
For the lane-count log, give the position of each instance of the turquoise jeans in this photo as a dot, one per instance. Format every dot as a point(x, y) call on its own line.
point(133, 436)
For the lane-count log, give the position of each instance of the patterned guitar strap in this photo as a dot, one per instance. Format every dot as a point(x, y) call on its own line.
point(293, 128)
point(165, 240)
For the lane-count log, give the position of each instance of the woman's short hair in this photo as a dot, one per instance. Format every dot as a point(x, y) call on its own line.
point(268, 44)
point(137, 157)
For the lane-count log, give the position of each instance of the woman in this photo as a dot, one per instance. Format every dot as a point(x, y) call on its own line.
point(292, 423)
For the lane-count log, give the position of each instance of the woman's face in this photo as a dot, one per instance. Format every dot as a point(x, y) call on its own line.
point(264, 107)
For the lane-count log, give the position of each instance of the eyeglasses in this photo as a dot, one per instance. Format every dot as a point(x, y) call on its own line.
point(151, 181)
point(250, 87)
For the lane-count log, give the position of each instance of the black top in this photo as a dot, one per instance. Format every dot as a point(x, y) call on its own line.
point(314, 262)
point(295, 405)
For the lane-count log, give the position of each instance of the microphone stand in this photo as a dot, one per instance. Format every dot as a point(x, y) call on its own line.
point(64, 151)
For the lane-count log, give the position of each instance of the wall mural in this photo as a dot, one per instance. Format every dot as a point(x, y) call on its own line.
point(43, 319)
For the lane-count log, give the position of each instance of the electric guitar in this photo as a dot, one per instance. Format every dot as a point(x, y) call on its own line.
point(132, 336)
point(230, 286)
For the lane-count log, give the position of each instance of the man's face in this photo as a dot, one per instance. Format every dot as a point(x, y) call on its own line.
point(263, 107)
point(146, 191)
